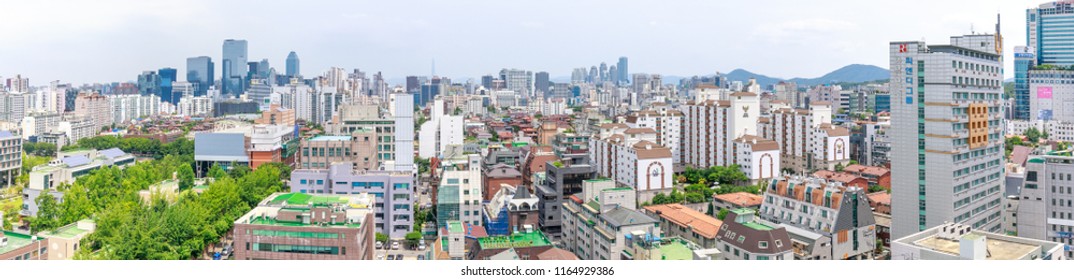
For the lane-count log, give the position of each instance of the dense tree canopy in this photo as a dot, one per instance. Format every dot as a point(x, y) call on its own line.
point(138, 146)
point(40, 149)
point(130, 228)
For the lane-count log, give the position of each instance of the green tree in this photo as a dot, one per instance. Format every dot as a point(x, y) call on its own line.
point(412, 238)
point(48, 213)
point(186, 177)
point(1033, 135)
point(381, 237)
point(839, 167)
point(722, 214)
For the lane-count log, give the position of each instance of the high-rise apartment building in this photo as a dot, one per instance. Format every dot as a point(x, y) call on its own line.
point(947, 128)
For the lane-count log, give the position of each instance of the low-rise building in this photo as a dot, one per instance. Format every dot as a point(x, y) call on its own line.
point(825, 220)
point(359, 147)
point(223, 149)
point(527, 245)
point(642, 247)
point(499, 175)
point(17, 246)
point(270, 143)
point(511, 210)
point(686, 223)
point(596, 222)
point(877, 176)
point(299, 226)
point(951, 241)
point(455, 239)
point(744, 236)
point(736, 200)
point(392, 191)
point(67, 167)
point(562, 179)
point(64, 242)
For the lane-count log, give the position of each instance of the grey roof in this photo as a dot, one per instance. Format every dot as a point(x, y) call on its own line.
point(751, 242)
point(5, 133)
point(522, 192)
point(625, 217)
point(73, 161)
point(501, 170)
point(113, 153)
point(220, 147)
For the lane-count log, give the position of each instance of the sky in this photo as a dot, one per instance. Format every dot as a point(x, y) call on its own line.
point(110, 40)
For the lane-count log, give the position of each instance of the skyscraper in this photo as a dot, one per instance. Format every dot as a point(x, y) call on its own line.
point(167, 77)
point(234, 67)
point(199, 73)
point(541, 83)
point(1047, 32)
point(292, 65)
point(624, 76)
point(519, 81)
point(1024, 60)
point(149, 83)
point(947, 128)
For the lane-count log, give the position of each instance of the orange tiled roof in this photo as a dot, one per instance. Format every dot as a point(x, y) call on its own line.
point(698, 222)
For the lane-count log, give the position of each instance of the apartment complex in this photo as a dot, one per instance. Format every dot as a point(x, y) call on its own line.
point(391, 190)
point(807, 139)
point(668, 127)
point(711, 126)
point(946, 127)
point(299, 226)
point(632, 158)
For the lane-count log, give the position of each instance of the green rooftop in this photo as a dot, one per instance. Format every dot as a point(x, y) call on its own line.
point(1036, 160)
point(70, 231)
point(676, 250)
point(597, 180)
point(275, 222)
point(455, 227)
point(518, 240)
point(304, 199)
point(620, 189)
point(15, 241)
point(757, 226)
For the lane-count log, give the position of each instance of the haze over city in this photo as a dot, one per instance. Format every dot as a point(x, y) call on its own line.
point(108, 41)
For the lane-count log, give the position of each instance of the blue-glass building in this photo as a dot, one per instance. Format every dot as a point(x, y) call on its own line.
point(167, 77)
point(234, 67)
point(1024, 60)
point(200, 73)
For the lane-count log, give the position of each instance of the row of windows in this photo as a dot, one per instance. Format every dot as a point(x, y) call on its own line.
point(296, 234)
point(298, 249)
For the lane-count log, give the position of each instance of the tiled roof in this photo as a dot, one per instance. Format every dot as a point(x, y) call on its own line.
point(883, 198)
point(698, 222)
point(743, 199)
point(871, 170)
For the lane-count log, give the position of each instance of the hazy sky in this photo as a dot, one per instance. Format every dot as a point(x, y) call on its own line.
point(105, 41)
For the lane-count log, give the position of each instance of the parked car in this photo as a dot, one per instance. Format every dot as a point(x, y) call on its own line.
point(391, 257)
point(421, 245)
point(380, 245)
point(398, 257)
point(421, 257)
point(395, 245)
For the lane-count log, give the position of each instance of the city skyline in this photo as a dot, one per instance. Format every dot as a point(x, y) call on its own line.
point(805, 41)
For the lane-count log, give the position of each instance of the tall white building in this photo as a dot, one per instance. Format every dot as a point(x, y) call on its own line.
point(195, 106)
point(668, 126)
point(631, 157)
point(711, 126)
point(439, 132)
point(132, 106)
point(947, 134)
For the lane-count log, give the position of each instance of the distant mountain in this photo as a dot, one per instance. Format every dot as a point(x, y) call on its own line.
point(743, 75)
point(854, 73)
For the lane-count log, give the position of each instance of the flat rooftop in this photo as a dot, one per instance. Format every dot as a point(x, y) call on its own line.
point(300, 199)
point(15, 241)
point(274, 222)
point(330, 138)
point(676, 250)
point(528, 239)
point(70, 231)
point(757, 226)
point(997, 249)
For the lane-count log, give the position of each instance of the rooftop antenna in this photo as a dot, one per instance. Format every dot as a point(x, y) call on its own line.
point(971, 29)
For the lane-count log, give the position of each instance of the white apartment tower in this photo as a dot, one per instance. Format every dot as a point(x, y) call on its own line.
point(947, 134)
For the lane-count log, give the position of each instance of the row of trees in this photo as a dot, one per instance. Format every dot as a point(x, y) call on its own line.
point(40, 149)
point(138, 146)
point(129, 228)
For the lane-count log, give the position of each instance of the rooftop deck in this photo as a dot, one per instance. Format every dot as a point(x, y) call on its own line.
point(530, 239)
point(997, 249)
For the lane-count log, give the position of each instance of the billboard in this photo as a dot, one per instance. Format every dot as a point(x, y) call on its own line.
point(1044, 92)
